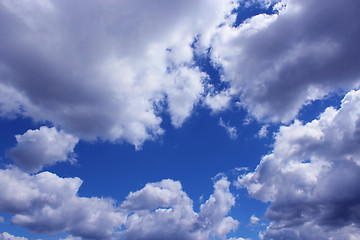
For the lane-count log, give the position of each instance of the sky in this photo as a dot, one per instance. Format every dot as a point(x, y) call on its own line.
point(181, 120)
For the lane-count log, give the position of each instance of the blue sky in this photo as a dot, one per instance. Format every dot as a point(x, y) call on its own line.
point(179, 120)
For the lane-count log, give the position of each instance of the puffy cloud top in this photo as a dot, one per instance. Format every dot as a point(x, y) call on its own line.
point(163, 210)
point(311, 177)
point(278, 63)
point(46, 203)
point(42, 147)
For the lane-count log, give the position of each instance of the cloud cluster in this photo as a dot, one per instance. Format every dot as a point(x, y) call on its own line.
point(46, 203)
point(311, 177)
point(278, 63)
point(162, 211)
point(104, 69)
point(42, 147)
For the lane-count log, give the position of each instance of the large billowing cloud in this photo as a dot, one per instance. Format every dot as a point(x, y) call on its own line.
point(311, 177)
point(278, 63)
point(104, 69)
point(46, 203)
point(42, 147)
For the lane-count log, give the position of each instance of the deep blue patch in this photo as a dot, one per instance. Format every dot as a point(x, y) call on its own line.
point(315, 108)
point(244, 12)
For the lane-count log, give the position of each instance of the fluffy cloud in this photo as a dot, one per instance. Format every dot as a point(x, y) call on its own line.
point(163, 210)
point(46, 203)
point(254, 220)
point(104, 69)
point(42, 147)
point(278, 63)
point(8, 236)
point(311, 177)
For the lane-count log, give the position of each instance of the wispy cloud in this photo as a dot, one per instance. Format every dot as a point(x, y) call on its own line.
point(231, 131)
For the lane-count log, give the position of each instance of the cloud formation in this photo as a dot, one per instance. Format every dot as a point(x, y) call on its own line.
point(8, 236)
point(278, 63)
point(163, 210)
point(46, 203)
point(230, 130)
point(311, 177)
point(42, 147)
point(104, 69)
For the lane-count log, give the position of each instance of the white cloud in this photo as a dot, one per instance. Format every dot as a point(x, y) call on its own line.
point(163, 210)
point(263, 131)
point(311, 176)
point(231, 131)
point(240, 239)
point(218, 101)
point(2, 220)
point(46, 203)
point(278, 63)
point(185, 92)
point(103, 69)
point(254, 220)
point(42, 147)
point(8, 236)
point(70, 237)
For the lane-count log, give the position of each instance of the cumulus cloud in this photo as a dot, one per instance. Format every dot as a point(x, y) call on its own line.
point(278, 63)
point(8, 236)
point(163, 210)
point(46, 203)
point(311, 177)
point(42, 147)
point(104, 69)
point(218, 101)
point(254, 220)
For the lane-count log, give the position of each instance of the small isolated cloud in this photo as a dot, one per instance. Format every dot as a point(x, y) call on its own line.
point(311, 177)
point(42, 147)
point(254, 220)
point(2, 220)
point(277, 63)
point(231, 131)
point(263, 132)
point(8, 236)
